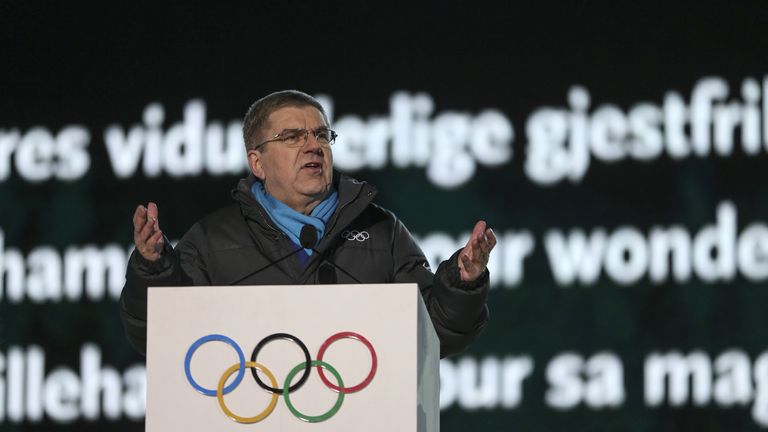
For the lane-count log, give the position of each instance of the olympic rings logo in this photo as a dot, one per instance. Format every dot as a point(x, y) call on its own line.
point(360, 236)
point(306, 366)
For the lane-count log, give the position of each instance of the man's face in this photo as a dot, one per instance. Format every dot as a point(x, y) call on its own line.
point(297, 176)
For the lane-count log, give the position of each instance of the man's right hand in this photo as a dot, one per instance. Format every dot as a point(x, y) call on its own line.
point(146, 232)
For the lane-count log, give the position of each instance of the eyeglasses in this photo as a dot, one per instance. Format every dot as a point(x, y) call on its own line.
point(297, 137)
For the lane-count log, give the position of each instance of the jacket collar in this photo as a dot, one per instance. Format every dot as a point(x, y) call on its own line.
point(354, 197)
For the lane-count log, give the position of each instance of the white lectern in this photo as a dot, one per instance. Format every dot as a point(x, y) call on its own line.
point(356, 357)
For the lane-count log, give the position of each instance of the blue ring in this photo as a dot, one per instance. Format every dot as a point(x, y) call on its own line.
point(196, 345)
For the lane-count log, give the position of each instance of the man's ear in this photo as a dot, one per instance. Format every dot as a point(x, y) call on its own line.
point(254, 162)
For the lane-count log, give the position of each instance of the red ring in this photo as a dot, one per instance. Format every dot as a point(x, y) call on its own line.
point(374, 362)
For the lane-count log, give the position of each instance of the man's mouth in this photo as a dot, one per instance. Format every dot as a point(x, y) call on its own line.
point(312, 165)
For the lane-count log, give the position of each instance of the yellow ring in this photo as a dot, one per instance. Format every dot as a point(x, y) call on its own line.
point(220, 393)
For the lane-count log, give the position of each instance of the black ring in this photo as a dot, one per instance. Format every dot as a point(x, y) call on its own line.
point(301, 345)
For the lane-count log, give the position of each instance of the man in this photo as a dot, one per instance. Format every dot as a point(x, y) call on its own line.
point(292, 185)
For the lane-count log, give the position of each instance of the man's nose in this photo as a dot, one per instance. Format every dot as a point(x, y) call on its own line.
point(311, 144)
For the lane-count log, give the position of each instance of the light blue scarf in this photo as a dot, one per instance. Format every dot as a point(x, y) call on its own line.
point(289, 220)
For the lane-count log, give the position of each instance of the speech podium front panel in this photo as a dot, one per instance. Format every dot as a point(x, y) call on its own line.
point(378, 339)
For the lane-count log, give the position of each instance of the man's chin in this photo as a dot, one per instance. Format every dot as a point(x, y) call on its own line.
point(318, 191)
point(317, 186)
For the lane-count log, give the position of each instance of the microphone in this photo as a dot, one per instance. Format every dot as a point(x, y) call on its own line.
point(307, 240)
point(326, 275)
point(308, 237)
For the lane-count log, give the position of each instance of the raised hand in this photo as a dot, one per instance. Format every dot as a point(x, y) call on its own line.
point(474, 257)
point(146, 232)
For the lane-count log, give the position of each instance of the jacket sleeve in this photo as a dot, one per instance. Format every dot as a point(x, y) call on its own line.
point(180, 266)
point(458, 310)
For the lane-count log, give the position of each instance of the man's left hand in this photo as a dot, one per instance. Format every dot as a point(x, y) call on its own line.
point(474, 257)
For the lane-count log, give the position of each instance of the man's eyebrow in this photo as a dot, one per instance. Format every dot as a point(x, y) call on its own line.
point(319, 128)
point(289, 130)
point(301, 129)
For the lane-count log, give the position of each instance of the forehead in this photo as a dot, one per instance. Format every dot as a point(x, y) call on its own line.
point(292, 117)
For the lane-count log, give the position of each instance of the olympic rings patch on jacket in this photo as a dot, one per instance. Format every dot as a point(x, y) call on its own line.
point(305, 366)
point(360, 236)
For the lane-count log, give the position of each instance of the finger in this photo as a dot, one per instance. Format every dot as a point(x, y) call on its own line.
point(487, 241)
point(469, 271)
point(478, 235)
point(139, 218)
point(491, 237)
point(469, 266)
point(479, 230)
point(160, 241)
point(146, 232)
point(489, 244)
point(152, 248)
point(150, 223)
point(155, 243)
point(485, 247)
point(483, 255)
point(153, 214)
point(478, 247)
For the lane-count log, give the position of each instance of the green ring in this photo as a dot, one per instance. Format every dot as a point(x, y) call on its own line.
point(322, 417)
